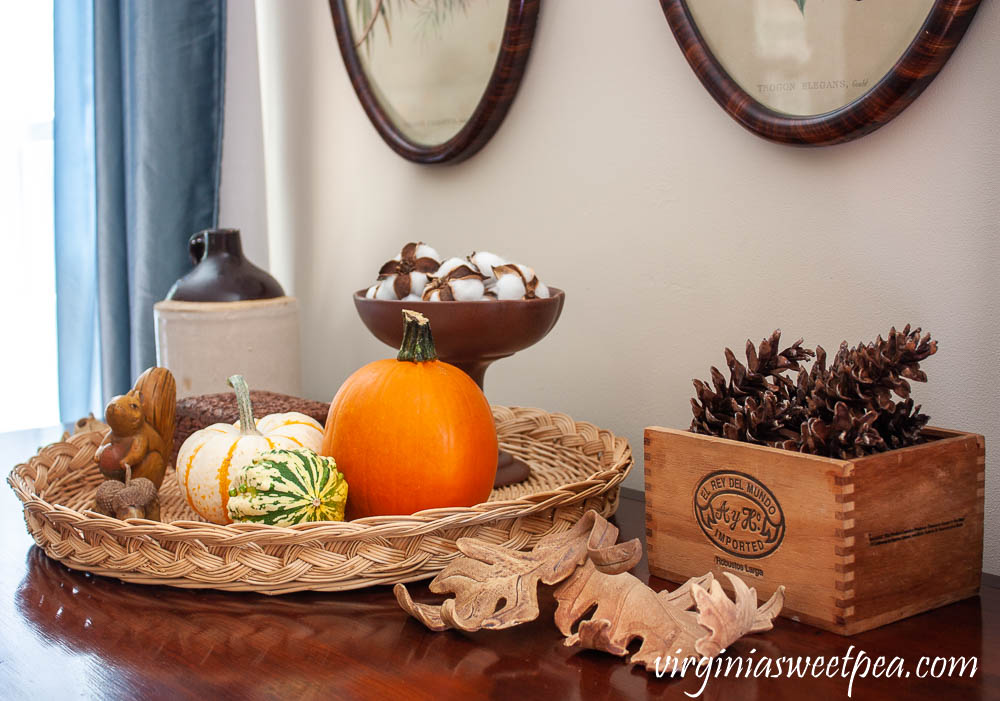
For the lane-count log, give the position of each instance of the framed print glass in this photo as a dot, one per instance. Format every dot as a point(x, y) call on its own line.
point(816, 72)
point(436, 77)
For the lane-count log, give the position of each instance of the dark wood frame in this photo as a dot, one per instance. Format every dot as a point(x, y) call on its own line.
point(919, 64)
point(522, 16)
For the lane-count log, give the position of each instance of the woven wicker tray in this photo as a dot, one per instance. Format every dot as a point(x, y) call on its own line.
point(575, 467)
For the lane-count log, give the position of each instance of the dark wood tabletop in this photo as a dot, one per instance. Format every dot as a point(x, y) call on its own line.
point(67, 634)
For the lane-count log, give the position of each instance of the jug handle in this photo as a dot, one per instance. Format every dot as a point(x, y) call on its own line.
point(196, 247)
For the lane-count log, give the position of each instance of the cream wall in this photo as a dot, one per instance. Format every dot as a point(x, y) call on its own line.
point(242, 197)
point(674, 231)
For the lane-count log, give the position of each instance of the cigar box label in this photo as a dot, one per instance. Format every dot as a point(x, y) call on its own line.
point(739, 514)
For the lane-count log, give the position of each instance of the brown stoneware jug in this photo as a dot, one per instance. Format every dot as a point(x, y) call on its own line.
point(221, 272)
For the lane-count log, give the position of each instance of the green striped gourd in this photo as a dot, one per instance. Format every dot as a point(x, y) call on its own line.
point(285, 487)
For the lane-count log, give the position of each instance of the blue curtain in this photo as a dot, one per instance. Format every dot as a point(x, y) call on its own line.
point(75, 208)
point(138, 142)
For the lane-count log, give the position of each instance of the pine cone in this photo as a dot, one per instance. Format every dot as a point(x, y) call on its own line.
point(866, 376)
point(756, 405)
point(845, 410)
point(846, 435)
point(712, 409)
point(901, 426)
point(765, 422)
point(863, 379)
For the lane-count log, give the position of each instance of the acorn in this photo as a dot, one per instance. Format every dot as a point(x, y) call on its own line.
point(137, 499)
point(104, 499)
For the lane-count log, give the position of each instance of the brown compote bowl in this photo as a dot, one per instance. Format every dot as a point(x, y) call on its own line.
point(471, 335)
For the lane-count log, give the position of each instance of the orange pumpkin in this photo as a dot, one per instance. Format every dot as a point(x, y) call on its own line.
point(412, 433)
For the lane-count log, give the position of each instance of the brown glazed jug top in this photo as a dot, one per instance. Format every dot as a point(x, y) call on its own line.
point(221, 273)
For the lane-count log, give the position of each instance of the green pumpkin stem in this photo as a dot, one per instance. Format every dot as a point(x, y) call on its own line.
point(248, 427)
point(418, 344)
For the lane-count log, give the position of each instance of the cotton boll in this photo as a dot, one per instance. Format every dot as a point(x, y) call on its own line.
point(485, 262)
point(509, 285)
point(467, 289)
point(425, 251)
point(417, 250)
point(407, 273)
point(451, 265)
point(418, 281)
point(456, 280)
point(526, 272)
point(516, 281)
point(386, 288)
point(416, 274)
point(485, 259)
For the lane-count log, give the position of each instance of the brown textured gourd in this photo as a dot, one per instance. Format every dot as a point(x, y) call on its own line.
point(141, 429)
point(196, 412)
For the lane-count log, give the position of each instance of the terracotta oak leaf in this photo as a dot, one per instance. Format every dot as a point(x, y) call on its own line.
point(628, 609)
point(496, 587)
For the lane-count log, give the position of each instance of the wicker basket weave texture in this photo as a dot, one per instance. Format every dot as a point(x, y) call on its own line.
point(575, 467)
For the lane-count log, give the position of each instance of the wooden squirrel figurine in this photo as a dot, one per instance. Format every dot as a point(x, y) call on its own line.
point(142, 429)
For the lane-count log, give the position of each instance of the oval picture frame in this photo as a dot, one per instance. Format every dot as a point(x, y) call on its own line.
point(895, 91)
point(512, 58)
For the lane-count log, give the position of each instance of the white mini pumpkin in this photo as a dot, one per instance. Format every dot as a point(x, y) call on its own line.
point(211, 457)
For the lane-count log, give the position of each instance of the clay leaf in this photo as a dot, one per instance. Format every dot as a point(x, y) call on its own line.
point(496, 587)
point(627, 609)
point(726, 620)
